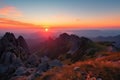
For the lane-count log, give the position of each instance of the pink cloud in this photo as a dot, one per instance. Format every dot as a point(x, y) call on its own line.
point(10, 11)
point(12, 24)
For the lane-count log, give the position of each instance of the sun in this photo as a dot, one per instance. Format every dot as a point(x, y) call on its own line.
point(46, 29)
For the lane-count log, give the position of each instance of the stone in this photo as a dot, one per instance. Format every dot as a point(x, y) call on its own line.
point(76, 69)
point(54, 63)
point(20, 71)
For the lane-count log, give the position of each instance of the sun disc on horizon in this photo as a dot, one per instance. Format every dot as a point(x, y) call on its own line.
point(46, 29)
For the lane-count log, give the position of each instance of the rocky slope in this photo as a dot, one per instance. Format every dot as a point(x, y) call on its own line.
point(103, 68)
point(17, 62)
point(13, 53)
point(68, 46)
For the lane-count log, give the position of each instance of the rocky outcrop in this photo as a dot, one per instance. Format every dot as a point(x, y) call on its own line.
point(55, 63)
point(66, 44)
point(12, 48)
point(84, 45)
point(8, 58)
point(17, 63)
point(22, 43)
point(13, 54)
point(33, 61)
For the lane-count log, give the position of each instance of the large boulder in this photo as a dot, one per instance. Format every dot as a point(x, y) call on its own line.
point(43, 67)
point(54, 63)
point(33, 61)
point(20, 71)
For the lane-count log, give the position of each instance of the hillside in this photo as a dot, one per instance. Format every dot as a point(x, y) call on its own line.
point(103, 68)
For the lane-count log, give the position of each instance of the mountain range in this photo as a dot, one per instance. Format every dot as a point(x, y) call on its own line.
point(19, 62)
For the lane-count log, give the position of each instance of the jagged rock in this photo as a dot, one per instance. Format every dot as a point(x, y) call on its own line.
point(9, 38)
point(13, 53)
point(66, 44)
point(33, 60)
point(8, 58)
point(42, 67)
point(8, 43)
point(31, 70)
point(44, 59)
point(74, 44)
point(64, 37)
point(20, 71)
point(84, 45)
point(21, 42)
point(55, 63)
point(18, 62)
point(28, 73)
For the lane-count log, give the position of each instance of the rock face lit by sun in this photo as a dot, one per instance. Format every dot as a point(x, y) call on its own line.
point(46, 29)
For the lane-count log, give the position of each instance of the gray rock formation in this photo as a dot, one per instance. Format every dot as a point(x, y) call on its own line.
point(22, 43)
point(54, 63)
point(33, 61)
point(13, 54)
point(12, 47)
point(44, 59)
point(8, 58)
point(20, 71)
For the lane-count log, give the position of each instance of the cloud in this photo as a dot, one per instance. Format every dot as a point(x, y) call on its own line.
point(10, 11)
point(8, 23)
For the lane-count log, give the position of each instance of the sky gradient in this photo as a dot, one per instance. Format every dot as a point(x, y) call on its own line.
point(82, 14)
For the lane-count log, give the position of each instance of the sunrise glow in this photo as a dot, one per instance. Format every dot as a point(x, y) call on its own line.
point(46, 29)
point(63, 14)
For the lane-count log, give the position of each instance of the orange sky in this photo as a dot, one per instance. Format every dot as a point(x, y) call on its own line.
point(8, 23)
point(60, 14)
